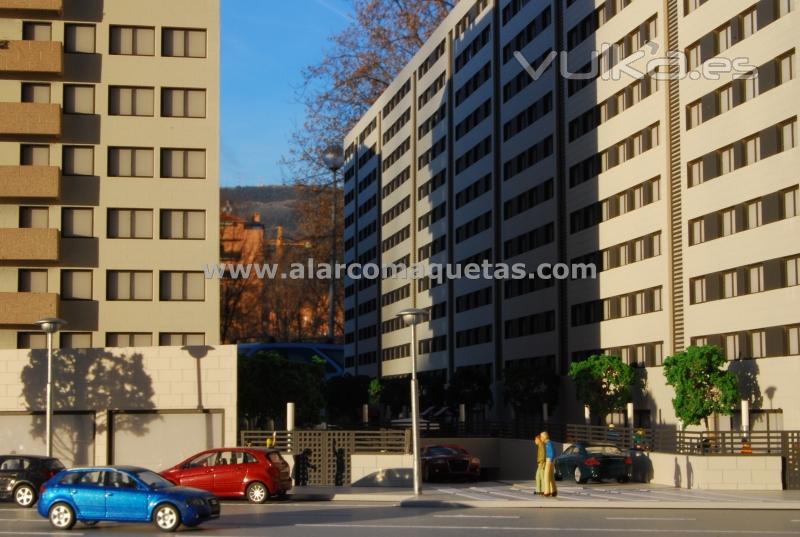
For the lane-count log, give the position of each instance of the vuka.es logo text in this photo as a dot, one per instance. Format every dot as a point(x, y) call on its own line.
point(659, 67)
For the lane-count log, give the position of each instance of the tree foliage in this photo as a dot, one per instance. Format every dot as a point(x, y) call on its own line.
point(528, 385)
point(702, 387)
point(603, 382)
point(344, 397)
point(470, 386)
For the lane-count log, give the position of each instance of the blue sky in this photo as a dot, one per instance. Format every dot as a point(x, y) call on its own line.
point(265, 45)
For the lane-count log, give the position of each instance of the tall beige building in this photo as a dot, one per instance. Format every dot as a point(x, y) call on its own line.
point(683, 192)
point(109, 189)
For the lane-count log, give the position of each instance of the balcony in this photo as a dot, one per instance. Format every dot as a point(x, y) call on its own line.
point(29, 244)
point(30, 182)
point(31, 57)
point(30, 119)
point(27, 308)
point(48, 6)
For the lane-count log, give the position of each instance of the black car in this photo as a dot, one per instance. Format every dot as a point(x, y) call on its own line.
point(21, 476)
point(584, 461)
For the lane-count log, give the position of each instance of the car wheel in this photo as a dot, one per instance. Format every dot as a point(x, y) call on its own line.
point(426, 475)
point(25, 496)
point(167, 517)
point(557, 474)
point(623, 479)
point(578, 475)
point(257, 492)
point(90, 523)
point(61, 516)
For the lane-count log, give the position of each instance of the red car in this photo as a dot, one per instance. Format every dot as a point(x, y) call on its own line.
point(449, 462)
point(254, 473)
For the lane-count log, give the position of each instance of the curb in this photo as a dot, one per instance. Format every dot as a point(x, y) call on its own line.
point(570, 504)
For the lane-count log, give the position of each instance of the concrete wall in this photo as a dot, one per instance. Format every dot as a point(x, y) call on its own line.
point(154, 385)
point(380, 468)
point(717, 473)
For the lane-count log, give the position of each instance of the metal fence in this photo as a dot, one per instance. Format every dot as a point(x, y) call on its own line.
point(362, 441)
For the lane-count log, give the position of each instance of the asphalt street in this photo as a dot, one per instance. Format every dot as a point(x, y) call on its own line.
point(338, 519)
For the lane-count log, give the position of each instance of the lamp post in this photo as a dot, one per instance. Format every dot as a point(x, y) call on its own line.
point(412, 316)
point(50, 326)
point(333, 158)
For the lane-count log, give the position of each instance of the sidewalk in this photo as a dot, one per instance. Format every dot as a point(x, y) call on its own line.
point(520, 496)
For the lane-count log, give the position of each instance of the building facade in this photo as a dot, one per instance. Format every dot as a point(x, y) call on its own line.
point(679, 185)
point(109, 158)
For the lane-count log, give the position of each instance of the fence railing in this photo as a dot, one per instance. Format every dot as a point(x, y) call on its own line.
point(356, 441)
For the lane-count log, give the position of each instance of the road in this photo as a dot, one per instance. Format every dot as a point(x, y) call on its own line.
point(336, 519)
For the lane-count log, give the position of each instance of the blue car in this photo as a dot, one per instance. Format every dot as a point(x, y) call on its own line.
point(122, 494)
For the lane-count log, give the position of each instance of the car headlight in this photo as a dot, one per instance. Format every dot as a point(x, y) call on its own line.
point(196, 502)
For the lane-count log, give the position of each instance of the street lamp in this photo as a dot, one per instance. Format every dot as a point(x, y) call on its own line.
point(50, 326)
point(333, 158)
point(412, 316)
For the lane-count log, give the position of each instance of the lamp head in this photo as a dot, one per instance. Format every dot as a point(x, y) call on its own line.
point(412, 316)
point(333, 158)
point(51, 325)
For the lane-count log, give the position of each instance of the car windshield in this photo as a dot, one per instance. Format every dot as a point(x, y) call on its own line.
point(603, 450)
point(442, 452)
point(153, 480)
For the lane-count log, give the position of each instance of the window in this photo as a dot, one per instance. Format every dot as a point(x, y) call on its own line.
point(725, 99)
point(79, 38)
point(31, 340)
point(725, 160)
point(731, 346)
point(130, 101)
point(176, 224)
point(787, 135)
point(792, 269)
point(183, 102)
point(37, 31)
point(792, 340)
point(785, 68)
point(130, 224)
point(749, 84)
point(32, 281)
point(180, 339)
point(76, 285)
point(182, 286)
point(723, 38)
point(758, 344)
point(730, 286)
point(76, 222)
point(789, 208)
point(129, 285)
point(755, 279)
point(753, 211)
point(34, 217)
point(698, 290)
point(183, 163)
point(34, 155)
point(128, 40)
point(78, 160)
point(752, 151)
point(695, 172)
point(130, 162)
point(749, 23)
point(183, 43)
point(696, 231)
point(694, 115)
point(693, 57)
point(75, 340)
point(78, 99)
point(35, 93)
point(129, 339)
point(728, 221)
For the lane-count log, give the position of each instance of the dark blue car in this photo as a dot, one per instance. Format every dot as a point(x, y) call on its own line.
point(123, 494)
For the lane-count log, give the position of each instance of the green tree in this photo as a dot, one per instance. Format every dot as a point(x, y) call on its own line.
point(471, 386)
point(529, 384)
point(604, 383)
point(702, 387)
point(374, 391)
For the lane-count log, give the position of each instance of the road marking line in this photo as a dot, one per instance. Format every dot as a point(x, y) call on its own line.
point(501, 494)
point(645, 518)
point(23, 520)
point(36, 533)
point(458, 492)
point(474, 516)
point(551, 529)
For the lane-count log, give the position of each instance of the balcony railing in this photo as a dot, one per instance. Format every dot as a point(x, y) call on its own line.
point(27, 308)
point(49, 6)
point(29, 244)
point(30, 119)
point(39, 57)
point(30, 182)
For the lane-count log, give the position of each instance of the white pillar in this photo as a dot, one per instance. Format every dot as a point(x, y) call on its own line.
point(462, 413)
point(290, 416)
point(587, 415)
point(415, 411)
point(365, 414)
point(49, 417)
point(630, 414)
point(545, 416)
point(745, 417)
